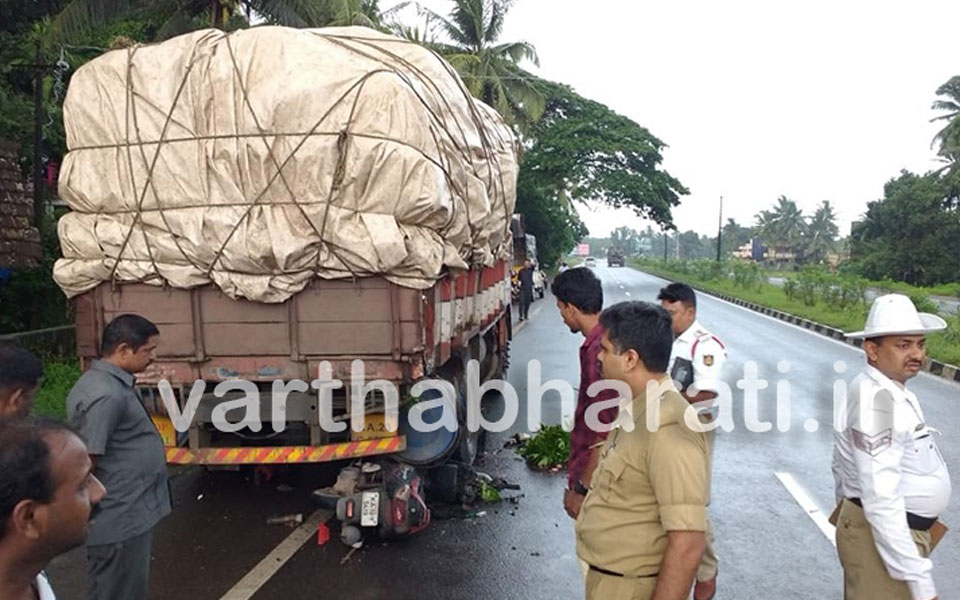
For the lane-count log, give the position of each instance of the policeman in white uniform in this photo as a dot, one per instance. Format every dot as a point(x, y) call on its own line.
point(891, 480)
point(696, 365)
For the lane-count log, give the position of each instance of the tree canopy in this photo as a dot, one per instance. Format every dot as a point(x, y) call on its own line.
point(912, 234)
point(587, 149)
point(581, 150)
point(79, 17)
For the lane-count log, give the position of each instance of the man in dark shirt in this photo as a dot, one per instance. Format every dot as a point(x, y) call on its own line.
point(129, 459)
point(579, 295)
point(526, 289)
point(20, 373)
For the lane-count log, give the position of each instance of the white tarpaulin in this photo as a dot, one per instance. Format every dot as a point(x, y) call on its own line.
point(262, 158)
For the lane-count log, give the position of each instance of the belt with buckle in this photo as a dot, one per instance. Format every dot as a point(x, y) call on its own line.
point(915, 522)
point(615, 574)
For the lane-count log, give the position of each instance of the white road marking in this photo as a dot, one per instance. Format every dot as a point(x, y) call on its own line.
point(268, 567)
point(807, 504)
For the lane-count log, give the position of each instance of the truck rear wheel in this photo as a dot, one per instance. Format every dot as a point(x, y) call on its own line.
point(469, 443)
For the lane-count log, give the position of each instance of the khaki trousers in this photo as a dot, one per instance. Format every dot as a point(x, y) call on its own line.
point(709, 562)
point(610, 587)
point(865, 577)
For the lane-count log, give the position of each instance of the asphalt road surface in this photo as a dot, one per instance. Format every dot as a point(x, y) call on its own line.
point(772, 493)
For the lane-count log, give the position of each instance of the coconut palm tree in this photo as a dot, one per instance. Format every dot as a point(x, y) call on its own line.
point(948, 138)
point(821, 233)
point(783, 228)
point(788, 222)
point(489, 68)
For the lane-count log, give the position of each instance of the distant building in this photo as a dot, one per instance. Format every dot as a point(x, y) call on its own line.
point(756, 251)
point(744, 252)
point(752, 250)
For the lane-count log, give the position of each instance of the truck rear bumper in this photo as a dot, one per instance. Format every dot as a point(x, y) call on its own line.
point(271, 455)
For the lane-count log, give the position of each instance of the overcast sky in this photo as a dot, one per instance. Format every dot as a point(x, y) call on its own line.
point(814, 100)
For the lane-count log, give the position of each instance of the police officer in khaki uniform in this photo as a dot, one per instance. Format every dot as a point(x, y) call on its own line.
point(641, 527)
point(891, 480)
point(696, 366)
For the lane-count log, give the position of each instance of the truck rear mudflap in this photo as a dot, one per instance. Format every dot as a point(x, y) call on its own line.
point(275, 455)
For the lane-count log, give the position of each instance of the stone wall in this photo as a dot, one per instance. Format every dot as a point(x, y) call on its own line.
point(19, 239)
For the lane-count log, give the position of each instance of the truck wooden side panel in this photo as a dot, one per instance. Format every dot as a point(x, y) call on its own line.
point(401, 333)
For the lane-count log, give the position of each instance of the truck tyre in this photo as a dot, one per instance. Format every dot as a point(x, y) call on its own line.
point(469, 444)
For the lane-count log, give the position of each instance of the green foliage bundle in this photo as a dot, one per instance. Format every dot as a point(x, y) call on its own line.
point(548, 448)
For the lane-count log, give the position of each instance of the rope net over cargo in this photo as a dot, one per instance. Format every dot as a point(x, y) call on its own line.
point(260, 159)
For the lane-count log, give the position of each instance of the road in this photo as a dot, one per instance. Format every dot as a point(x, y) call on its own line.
point(770, 489)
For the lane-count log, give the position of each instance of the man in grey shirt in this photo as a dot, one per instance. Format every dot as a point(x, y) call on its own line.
point(129, 459)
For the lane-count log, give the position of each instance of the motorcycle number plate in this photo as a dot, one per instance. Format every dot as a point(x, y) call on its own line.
point(370, 509)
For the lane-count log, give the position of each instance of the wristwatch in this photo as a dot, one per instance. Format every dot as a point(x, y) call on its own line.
point(579, 488)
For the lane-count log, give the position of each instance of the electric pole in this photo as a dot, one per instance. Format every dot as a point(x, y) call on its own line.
point(720, 229)
point(38, 138)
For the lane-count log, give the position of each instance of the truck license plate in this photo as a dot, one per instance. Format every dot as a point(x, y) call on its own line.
point(375, 426)
point(370, 509)
point(166, 430)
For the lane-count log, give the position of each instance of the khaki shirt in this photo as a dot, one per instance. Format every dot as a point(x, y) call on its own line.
point(646, 484)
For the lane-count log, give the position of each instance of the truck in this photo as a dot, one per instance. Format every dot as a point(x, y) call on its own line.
point(615, 257)
point(401, 334)
point(311, 238)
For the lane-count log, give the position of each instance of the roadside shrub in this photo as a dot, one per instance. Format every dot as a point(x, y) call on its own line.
point(681, 266)
point(852, 290)
point(952, 333)
point(58, 380)
point(746, 275)
point(813, 284)
point(924, 303)
point(791, 288)
point(709, 270)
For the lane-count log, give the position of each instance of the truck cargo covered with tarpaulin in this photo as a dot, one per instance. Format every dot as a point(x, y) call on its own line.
point(260, 159)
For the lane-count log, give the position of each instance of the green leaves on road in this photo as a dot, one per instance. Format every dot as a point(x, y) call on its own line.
point(548, 449)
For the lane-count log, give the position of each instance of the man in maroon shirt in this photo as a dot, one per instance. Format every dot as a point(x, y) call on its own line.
point(579, 295)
